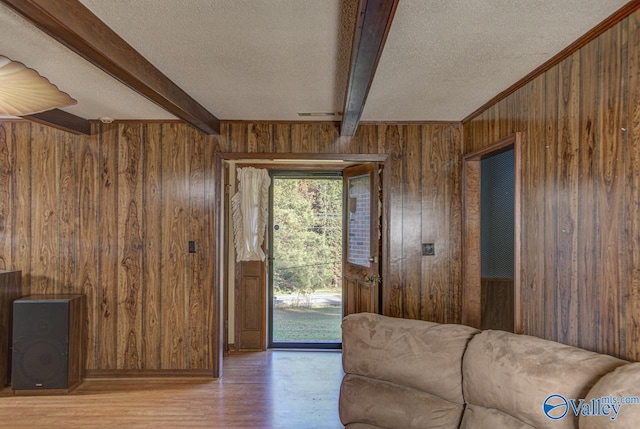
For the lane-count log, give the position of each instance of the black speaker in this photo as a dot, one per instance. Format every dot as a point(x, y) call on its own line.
point(47, 352)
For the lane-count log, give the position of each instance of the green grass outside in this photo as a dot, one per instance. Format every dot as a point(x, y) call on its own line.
point(298, 324)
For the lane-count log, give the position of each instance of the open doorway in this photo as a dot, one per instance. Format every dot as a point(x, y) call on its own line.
point(491, 236)
point(240, 321)
point(305, 259)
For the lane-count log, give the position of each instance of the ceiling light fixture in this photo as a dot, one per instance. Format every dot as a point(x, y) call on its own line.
point(24, 92)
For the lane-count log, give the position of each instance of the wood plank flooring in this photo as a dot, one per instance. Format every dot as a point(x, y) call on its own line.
point(273, 389)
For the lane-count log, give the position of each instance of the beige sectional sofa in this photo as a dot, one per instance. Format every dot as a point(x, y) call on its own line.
point(402, 373)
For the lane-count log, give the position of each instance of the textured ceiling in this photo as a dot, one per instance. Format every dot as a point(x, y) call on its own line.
point(445, 58)
point(270, 59)
point(97, 93)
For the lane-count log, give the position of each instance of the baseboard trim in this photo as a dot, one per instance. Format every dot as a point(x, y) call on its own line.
point(150, 373)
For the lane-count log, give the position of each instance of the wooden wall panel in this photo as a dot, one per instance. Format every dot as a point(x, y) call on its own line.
point(67, 203)
point(282, 138)
point(175, 199)
point(566, 192)
point(433, 165)
point(21, 202)
point(611, 186)
point(451, 214)
point(106, 327)
point(130, 249)
point(46, 176)
point(587, 161)
point(152, 254)
point(393, 282)
point(632, 313)
point(412, 216)
point(87, 234)
point(84, 216)
point(581, 170)
point(197, 263)
point(5, 193)
point(110, 216)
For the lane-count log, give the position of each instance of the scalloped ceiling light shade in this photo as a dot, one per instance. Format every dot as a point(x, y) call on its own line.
point(24, 92)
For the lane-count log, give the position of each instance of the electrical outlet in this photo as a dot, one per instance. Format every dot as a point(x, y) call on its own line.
point(428, 249)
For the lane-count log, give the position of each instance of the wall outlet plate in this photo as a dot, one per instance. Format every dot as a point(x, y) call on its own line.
point(428, 249)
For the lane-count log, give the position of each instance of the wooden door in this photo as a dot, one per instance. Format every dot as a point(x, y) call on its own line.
point(361, 258)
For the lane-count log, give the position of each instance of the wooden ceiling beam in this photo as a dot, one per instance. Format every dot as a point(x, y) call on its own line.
point(62, 120)
point(75, 26)
point(372, 27)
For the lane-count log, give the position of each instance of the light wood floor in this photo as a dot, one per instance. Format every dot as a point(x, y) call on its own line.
point(274, 389)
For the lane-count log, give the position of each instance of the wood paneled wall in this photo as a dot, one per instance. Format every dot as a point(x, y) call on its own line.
point(110, 216)
point(425, 201)
point(581, 185)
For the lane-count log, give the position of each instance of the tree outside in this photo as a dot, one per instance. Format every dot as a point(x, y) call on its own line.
point(307, 265)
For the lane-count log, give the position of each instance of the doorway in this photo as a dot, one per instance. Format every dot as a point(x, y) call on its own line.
point(491, 236)
point(305, 259)
point(229, 314)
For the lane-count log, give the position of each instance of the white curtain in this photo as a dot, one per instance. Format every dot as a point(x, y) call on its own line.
point(250, 207)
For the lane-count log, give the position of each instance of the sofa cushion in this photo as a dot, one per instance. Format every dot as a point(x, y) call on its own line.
point(422, 355)
point(624, 382)
point(476, 417)
point(517, 373)
point(361, 426)
point(388, 405)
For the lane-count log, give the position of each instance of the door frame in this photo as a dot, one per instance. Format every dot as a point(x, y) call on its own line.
point(315, 173)
point(471, 271)
point(217, 319)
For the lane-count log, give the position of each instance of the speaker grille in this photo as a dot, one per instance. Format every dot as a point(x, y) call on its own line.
point(40, 345)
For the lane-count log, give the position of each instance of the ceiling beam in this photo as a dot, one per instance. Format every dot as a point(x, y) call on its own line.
point(62, 120)
point(372, 27)
point(75, 26)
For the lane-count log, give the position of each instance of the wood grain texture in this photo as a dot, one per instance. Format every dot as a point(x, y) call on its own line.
point(130, 249)
point(174, 248)
point(196, 261)
point(106, 327)
point(583, 153)
point(587, 197)
point(497, 303)
point(140, 191)
point(550, 207)
point(453, 212)
point(436, 215)
point(412, 219)
point(46, 174)
point(567, 186)
point(632, 309)
point(87, 235)
point(5, 195)
point(21, 200)
point(471, 270)
point(152, 253)
point(611, 120)
point(282, 138)
point(392, 292)
point(532, 216)
point(67, 203)
point(252, 394)
point(304, 138)
point(10, 290)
